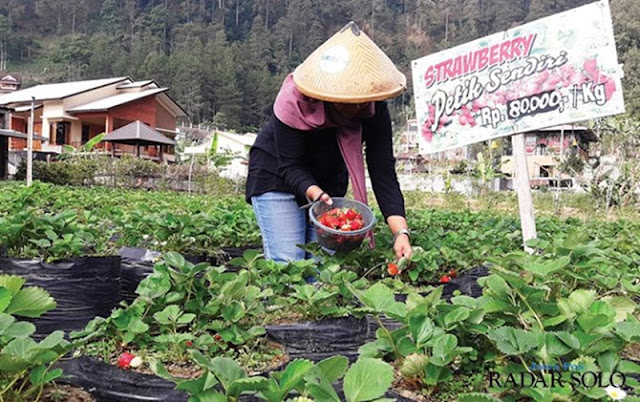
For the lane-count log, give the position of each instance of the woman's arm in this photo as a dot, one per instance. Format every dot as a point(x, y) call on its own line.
point(378, 135)
point(292, 165)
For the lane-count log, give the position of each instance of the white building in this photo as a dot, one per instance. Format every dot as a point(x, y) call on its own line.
point(220, 142)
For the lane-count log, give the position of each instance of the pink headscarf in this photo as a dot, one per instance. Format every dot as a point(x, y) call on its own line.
point(307, 114)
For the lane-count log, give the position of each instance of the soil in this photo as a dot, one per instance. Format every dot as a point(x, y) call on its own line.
point(65, 393)
point(632, 352)
point(288, 317)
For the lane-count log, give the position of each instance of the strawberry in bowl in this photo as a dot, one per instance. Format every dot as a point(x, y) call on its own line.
point(343, 225)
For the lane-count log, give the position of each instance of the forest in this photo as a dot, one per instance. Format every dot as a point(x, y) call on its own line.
point(224, 60)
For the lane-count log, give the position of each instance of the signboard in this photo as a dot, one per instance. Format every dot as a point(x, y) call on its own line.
point(556, 70)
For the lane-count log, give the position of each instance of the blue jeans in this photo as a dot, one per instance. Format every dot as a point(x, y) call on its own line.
point(283, 226)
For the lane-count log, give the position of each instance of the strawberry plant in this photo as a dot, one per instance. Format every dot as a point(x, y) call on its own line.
point(182, 306)
point(223, 379)
point(26, 365)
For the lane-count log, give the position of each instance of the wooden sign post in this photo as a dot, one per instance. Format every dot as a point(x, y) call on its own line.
point(558, 70)
point(30, 142)
point(523, 189)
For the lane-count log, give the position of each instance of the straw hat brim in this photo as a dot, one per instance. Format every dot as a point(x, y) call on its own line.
point(349, 68)
point(330, 96)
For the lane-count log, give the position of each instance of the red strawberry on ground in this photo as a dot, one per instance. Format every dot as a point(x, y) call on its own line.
point(125, 359)
point(445, 279)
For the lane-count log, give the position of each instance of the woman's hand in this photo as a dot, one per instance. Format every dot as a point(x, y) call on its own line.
point(402, 247)
point(314, 193)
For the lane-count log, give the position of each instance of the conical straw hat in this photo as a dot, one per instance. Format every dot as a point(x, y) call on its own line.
point(349, 68)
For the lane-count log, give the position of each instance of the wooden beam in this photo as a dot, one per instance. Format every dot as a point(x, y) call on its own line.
point(523, 189)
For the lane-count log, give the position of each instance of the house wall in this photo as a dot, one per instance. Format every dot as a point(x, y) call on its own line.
point(4, 157)
point(18, 124)
point(534, 162)
point(142, 109)
point(164, 119)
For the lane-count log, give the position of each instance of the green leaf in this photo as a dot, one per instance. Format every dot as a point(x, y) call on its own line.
point(629, 331)
point(477, 397)
point(36, 377)
point(622, 305)
point(583, 298)
point(226, 371)
point(137, 326)
point(52, 375)
point(20, 347)
point(5, 322)
point(52, 340)
point(498, 286)
point(322, 390)
point(379, 298)
point(210, 395)
point(175, 259)
point(185, 319)
point(590, 322)
point(333, 367)
point(293, 374)
point(628, 367)
point(555, 346)
point(367, 379)
point(12, 283)
point(5, 298)
point(233, 312)
point(546, 268)
point(458, 315)
point(246, 385)
point(443, 349)
point(421, 328)
point(169, 315)
point(20, 329)
point(514, 341)
point(31, 302)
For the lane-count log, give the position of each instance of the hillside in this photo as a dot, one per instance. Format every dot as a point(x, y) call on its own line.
point(224, 59)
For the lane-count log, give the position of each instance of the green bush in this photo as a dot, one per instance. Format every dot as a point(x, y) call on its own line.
point(60, 172)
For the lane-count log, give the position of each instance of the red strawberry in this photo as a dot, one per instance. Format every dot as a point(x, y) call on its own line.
point(189, 344)
point(445, 279)
point(355, 225)
point(333, 222)
point(392, 269)
point(453, 273)
point(217, 337)
point(124, 362)
point(351, 214)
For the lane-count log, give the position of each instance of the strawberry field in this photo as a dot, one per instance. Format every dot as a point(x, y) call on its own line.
point(137, 296)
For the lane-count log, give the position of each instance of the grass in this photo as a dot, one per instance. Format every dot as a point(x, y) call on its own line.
point(562, 205)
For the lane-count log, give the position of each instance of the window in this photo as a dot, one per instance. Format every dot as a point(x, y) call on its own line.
point(62, 130)
point(86, 133)
point(541, 149)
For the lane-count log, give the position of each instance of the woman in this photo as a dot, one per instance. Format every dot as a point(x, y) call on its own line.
point(325, 110)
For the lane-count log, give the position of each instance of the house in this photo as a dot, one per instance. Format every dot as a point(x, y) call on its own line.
point(9, 83)
point(7, 135)
point(220, 142)
point(546, 147)
point(408, 151)
point(72, 113)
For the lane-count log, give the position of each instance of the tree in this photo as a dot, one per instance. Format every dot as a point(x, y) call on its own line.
point(6, 37)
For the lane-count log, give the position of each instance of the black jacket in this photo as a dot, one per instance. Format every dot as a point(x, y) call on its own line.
point(289, 160)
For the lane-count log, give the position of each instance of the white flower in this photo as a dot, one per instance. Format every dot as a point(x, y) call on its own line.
point(615, 393)
point(136, 362)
